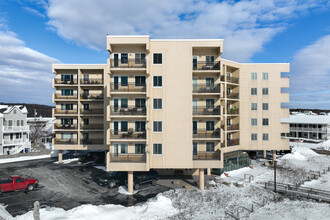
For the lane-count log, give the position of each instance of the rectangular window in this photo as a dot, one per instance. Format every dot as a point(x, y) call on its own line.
point(124, 125)
point(67, 78)
point(66, 136)
point(124, 80)
point(254, 137)
point(22, 122)
point(86, 121)
point(210, 125)
point(254, 76)
point(158, 81)
point(124, 102)
point(66, 106)
point(254, 121)
point(67, 92)
point(210, 146)
point(157, 149)
point(140, 58)
point(17, 123)
point(86, 92)
point(264, 106)
point(254, 106)
point(209, 60)
point(140, 80)
point(158, 58)
point(140, 103)
point(265, 91)
point(265, 137)
point(86, 106)
point(140, 126)
point(209, 103)
point(124, 58)
point(253, 91)
point(86, 77)
point(66, 121)
point(158, 126)
point(265, 76)
point(265, 121)
point(124, 148)
point(140, 148)
point(158, 104)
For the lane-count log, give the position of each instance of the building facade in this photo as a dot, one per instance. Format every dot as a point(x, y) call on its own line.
point(14, 131)
point(168, 105)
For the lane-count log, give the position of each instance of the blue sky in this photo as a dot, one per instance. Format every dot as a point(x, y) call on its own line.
point(36, 33)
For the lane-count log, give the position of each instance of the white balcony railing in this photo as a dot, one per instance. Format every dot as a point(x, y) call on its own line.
point(16, 128)
point(15, 141)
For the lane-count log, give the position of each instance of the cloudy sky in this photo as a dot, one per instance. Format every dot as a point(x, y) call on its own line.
point(36, 33)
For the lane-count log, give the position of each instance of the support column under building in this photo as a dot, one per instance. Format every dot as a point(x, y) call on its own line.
point(265, 154)
point(208, 171)
point(60, 156)
point(201, 179)
point(130, 181)
point(274, 155)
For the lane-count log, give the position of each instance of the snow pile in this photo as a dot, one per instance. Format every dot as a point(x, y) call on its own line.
point(325, 145)
point(67, 161)
point(123, 190)
point(23, 158)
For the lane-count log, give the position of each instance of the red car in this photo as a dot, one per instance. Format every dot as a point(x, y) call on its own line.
point(18, 183)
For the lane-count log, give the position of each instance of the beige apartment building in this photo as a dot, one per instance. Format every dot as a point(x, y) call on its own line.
point(169, 105)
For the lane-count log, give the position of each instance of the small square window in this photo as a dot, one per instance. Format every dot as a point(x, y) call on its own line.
point(254, 106)
point(265, 137)
point(265, 121)
point(158, 104)
point(253, 91)
point(210, 146)
point(253, 76)
point(210, 125)
point(158, 81)
point(158, 58)
point(265, 76)
point(265, 91)
point(264, 106)
point(254, 121)
point(157, 149)
point(254, 136)
point(158, 126)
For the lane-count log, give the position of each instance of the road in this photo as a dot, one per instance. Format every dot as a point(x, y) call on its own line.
point(65, 186)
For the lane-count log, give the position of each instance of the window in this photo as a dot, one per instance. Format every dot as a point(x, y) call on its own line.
point(265, 91)
point(140, 148)
point(86, 106)
point(253, 91)
point(254, 137)
point(86, 78)
point(209, 82)
point(124, 148)
point(209, 103)
point(15, 111)
point(209, 146)
point(124, 102)
point(124, 125)
point(265, 137)
point(228, 121)
point(66, 106)
point(22, 122)
point(210, 125)
point(86, 121)
point(158, 126)
point(124, 58)
point(209, 60)
point(19, 180)
point(158, 58)
point(254, 106)
point(254, 121)
point(124, 80)
point(66, 136)
point(195, 148)
point(228, 91)
point(140, 58)
point(253, 76)
point(140, 81)
point(265, 76)
point(17, 123)
point(264, 106)
point(86, 92)
point(66, 121)
point(228, 136)
point(158, 81)
point(265, 121)
point(157, 149)
point(158, 104)
point(67, 92)
point(140, 126)
point(67, 78)
point(140, 103)
point(228, 76)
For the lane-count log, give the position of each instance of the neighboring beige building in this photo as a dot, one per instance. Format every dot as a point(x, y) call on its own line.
point(169, 104)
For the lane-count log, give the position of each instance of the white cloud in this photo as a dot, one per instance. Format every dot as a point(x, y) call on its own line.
point(25, 74)
point(244, 24)
point(310, 78)
point(34, 11)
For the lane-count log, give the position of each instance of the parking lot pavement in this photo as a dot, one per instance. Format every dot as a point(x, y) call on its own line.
point(66, 186)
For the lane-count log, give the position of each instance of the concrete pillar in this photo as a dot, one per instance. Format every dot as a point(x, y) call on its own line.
point(107, 160)
point(130, 181)
point(208, 171)
point(201, 179)
point(274, 155)
point(60, 156)
point(265, 154)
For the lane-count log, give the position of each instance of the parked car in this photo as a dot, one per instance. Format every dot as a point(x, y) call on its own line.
point(18, 183)
point(140, 178)
point(93, 156)
point(112, 179)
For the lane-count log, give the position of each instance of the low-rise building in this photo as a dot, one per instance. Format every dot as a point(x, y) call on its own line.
point(41, 130)
point(14, 131)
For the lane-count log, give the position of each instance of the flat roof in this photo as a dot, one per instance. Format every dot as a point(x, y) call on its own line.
point(307, 119)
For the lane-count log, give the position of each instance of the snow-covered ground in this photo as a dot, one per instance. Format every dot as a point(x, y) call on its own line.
point(24, 158)
point(67, 161)
point(221, 200)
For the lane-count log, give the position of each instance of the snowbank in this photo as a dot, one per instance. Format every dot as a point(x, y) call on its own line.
point(24, 158)
point(67, 161)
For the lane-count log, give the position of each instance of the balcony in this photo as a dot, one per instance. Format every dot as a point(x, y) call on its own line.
point(232, 127)
point(232, 142)
point(65, 82)
point(233, 111)
point(231, 79)
point(60, 111)
point(233, 95)
point(92, 141)
point(203, 155)
point(86, 96)
point(93, 126)
point(202, 133)
point(206, 110)
point(128, 158)
point(92, 111)
point(92, 81)
point(65, 126)
point(15, 141)
point(127, 134)
point(16, 128)
point(128, 87)
point(202, 88)
point(66, 97)
point(65, 141)
point(130, 110)
point(128, 63)
point(206, 65)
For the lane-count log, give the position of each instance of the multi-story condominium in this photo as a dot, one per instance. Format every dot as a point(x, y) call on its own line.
point(169, 105)
point(14, 131)
point(308, 127)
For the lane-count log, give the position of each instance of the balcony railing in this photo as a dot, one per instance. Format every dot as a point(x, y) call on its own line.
point(92, 111)
point(202, 133)
point(60, 111)
point(233, 95)
point(232, 142)
point(203, 155)
point(66, 126)
point(66, 82)
point(130, 110)
point(233, 111)
point(128, 158)
point(128, 87)
point(206, 110)
point(206, 65)
point(16, 128)
point(127, 134)
point(92, 126)
point(59, 96)
point(93, 97)
point(128, 63)
point(202, 88)
point(233, 127)
point(231, 79)
point(92, 141)
point(91, 81)
point(324, 129)
point(65, 141)
point(15, 141)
